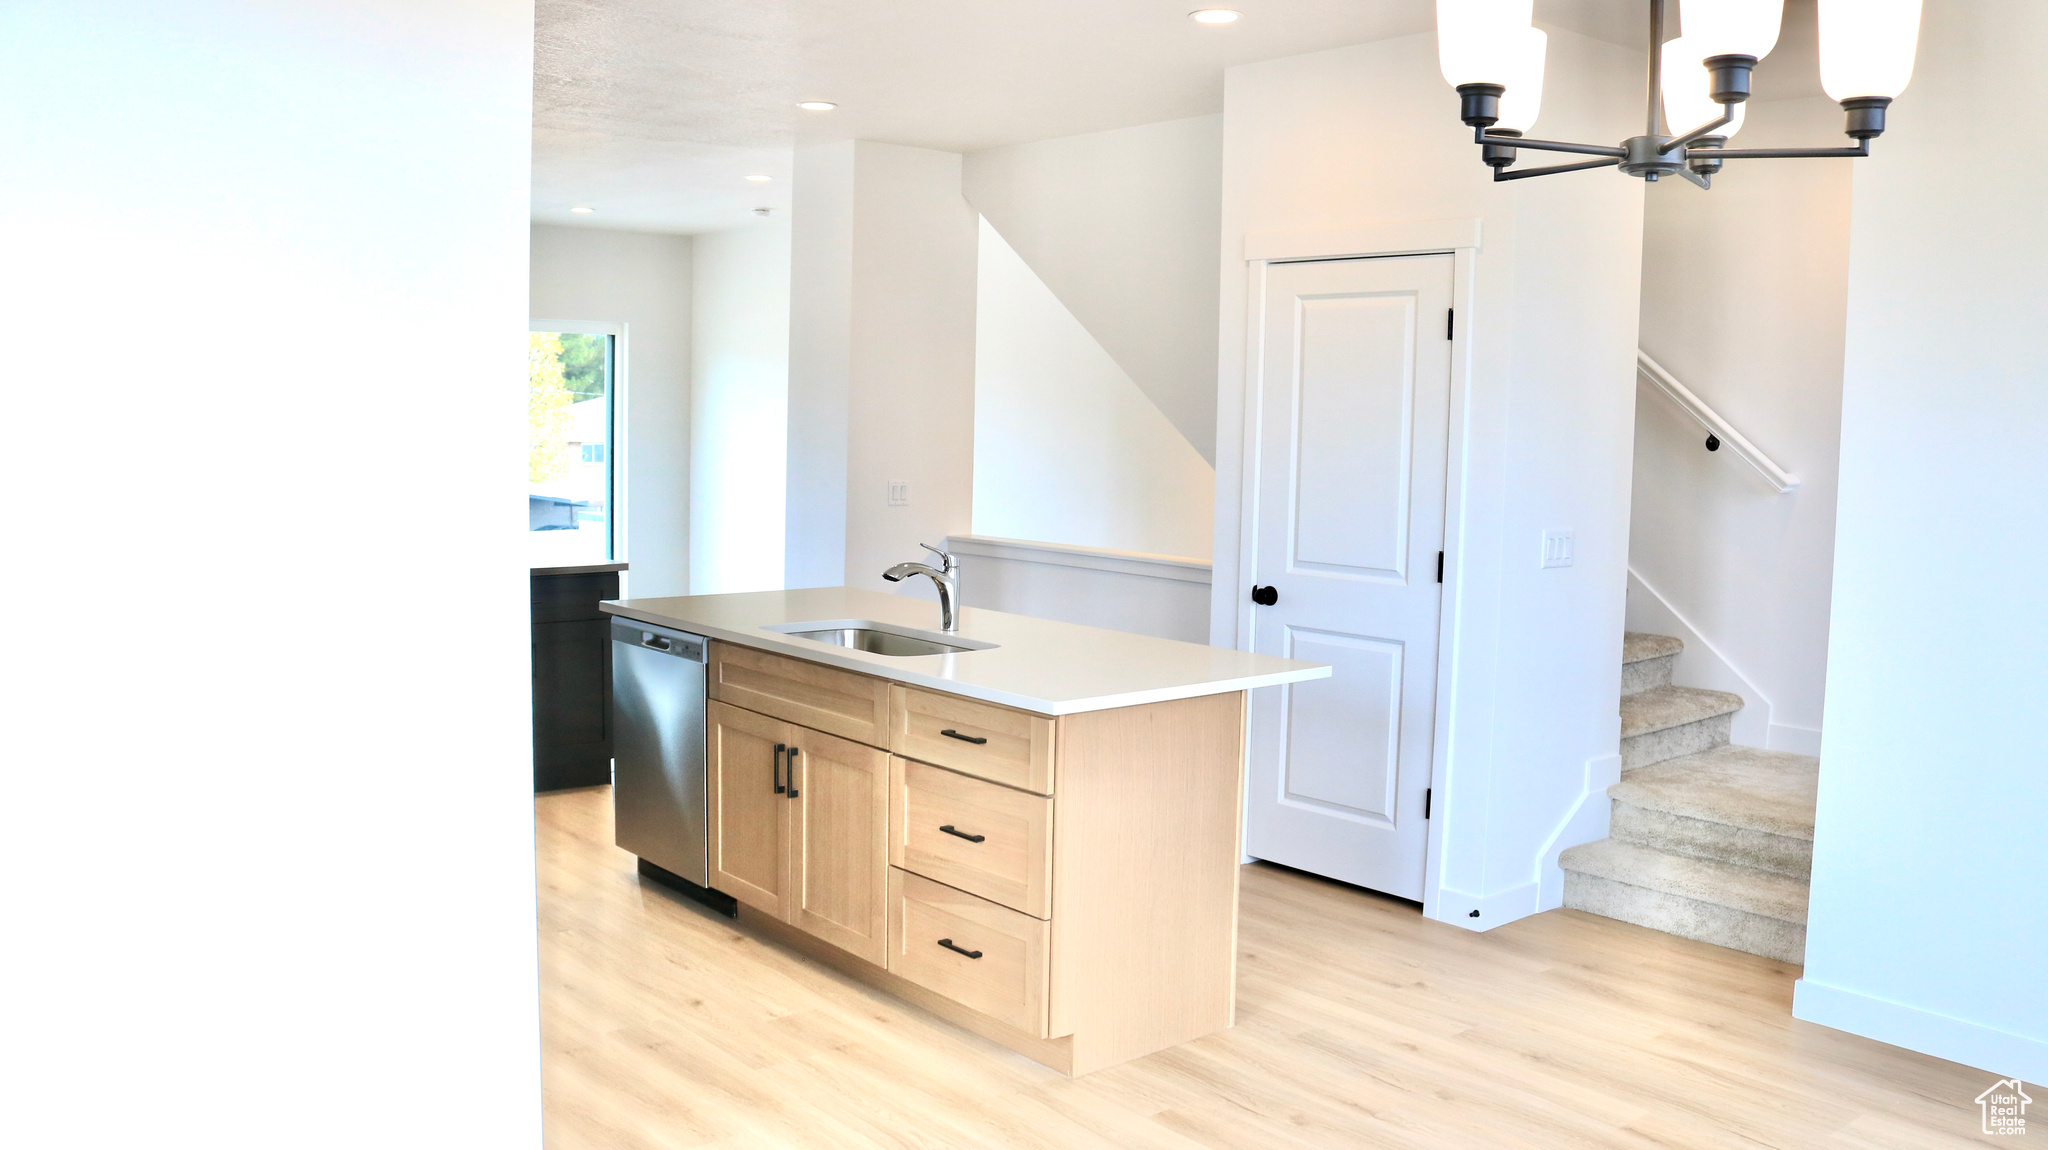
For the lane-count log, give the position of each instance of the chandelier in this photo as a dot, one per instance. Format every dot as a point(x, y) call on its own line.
point(1492, 54)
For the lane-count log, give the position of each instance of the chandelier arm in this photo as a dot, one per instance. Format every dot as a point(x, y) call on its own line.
point(1708, 129)
point(1500, 174)
point(1481, 136)
point(1857, 152)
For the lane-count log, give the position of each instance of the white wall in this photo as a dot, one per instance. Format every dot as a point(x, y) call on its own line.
point(739, 411)
point(1927, 926)
point(270, 870)
point(1328, 143)
point(820, 364)
point(1122, 227)
point(1743, 300)
point(641, 279)
point(881, 361)
point(1067, 449)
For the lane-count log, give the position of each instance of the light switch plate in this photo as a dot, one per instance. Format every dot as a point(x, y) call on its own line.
point(899, 493)
point(1557, 548)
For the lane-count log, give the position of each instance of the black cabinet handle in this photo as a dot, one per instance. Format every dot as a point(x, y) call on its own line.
point(953, 734)
point(1265, 596)
point(792, 772)
point(964, 835)
point(948, 944)
point(779, 748)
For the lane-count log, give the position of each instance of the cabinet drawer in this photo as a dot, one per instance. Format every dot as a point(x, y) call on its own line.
point(842, 703)
point(982, 838)
point(983, 956)
point(981, 739)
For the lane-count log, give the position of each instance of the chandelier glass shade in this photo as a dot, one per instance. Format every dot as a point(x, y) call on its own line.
point(1731, 27)
point(1523, 100)
point(1475, 38)
point(1494, 56)
point(1867, 46)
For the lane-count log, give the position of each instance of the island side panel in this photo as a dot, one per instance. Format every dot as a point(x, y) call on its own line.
point(1145, 844)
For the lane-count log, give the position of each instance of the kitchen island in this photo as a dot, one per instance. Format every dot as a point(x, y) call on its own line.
point(1030, 828)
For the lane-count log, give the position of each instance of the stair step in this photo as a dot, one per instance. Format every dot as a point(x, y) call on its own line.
point(1637, 646)
point(1647, 661)
point(1667, 707)
point(1715, 842)
point(1668, 722)
point(1746, 787)
point(1733, 906)
point(1647, 674)
point(1737, 805)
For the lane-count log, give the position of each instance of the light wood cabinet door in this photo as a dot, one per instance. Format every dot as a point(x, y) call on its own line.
point(839, 842)
point(749, 807)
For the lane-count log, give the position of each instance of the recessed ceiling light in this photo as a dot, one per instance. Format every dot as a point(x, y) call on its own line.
point(1214, 15)
point(759, 179)
point(582, 211)
point(817, 105)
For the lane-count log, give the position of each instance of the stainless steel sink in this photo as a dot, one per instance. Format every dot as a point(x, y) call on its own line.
point(878, 642)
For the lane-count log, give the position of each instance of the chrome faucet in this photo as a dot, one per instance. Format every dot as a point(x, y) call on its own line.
point(946, 577)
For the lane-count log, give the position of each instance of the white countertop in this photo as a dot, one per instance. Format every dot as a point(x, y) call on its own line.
point(1037, 664)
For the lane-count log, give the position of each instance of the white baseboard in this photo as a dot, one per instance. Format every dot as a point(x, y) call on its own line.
point(1701, 664)
point(1586, 823)
point(1797, 740)
point(1995, 1052)
point(1499, 909)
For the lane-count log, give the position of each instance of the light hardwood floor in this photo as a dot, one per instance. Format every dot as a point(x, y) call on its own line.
point(1359, 1024)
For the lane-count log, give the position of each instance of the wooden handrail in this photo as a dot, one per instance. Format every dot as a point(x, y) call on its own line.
point(1710, 419)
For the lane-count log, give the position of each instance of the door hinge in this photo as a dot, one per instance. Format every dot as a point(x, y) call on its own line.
point(1451, 323)
point(1439, 566)
point(1425, 802)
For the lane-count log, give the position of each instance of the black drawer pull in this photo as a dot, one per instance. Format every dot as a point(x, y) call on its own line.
point(948, 944)
point(792, 772)
point(953, 734)
point(779, 748)
point(964, 835)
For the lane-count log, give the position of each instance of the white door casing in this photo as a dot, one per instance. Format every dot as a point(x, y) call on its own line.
point(1352, 374)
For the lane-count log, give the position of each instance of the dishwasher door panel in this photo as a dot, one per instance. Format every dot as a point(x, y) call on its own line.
point(658, 747)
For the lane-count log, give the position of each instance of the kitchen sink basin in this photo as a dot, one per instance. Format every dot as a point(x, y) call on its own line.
point(879, 642)
point(861, 635)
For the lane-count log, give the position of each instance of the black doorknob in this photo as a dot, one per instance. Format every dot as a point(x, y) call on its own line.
point(1265, 596)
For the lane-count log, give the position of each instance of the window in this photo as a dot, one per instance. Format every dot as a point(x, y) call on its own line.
point(570, 493)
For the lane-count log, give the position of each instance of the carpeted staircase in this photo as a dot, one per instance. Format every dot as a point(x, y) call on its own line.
point(1709, 841)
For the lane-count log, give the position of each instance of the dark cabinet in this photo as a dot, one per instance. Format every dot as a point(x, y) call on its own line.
point(572, 688)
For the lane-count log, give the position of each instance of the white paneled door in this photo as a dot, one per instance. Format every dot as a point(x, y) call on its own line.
point(1353, 373)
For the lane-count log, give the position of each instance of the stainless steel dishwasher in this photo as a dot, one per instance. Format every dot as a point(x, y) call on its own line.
point(658, 784)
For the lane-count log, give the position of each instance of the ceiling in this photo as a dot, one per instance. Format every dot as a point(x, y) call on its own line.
point(653, 112)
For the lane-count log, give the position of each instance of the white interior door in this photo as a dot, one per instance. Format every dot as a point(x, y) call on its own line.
point(1353, 381)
